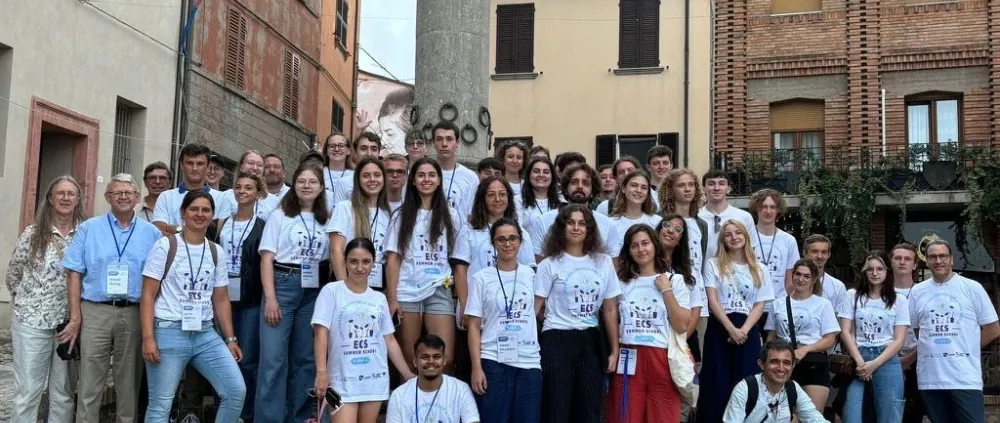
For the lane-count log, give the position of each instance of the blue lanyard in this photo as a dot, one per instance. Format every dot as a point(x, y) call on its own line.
point(120, 250)
point(624, 406)
point(309, 233)
point(194, 275)
point(508, 305)
point(330, 174)
point(232, 240)
point(774, 240)
point(451, 182)
point(416, 402)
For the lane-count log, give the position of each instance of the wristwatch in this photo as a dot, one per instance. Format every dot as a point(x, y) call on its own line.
point(230, 340)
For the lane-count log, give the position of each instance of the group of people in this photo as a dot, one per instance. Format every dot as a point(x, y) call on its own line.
point(563, 305)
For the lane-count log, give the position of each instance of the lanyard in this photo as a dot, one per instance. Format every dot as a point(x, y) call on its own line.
point(194, 275)
point(232, 239)
point(120, 250)
point(330, 174)
point(508, 304)
point(624, 409)
point(145, 212)
point(309, 233)
point(451, 182)
point(416, 402)
point(774, 240)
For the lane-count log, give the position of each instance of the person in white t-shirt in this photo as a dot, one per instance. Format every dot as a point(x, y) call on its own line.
point(294, 265)
point(181, 303)
point(540, 192)
point(368, 145)
point(194, 166)
point(954, 319)
point(353, 325)
point(634, 205)
point(737, 288)
point(653, 303)
point(659, 164)
point(778, 397)
point(578, 184)
point(252, 162)
point(364, 215)
point(337, 165)
point(904, 266)
point(815, 330)
point(673, 233)
point(621, 168)
point(717, 209)
point(459, 183)
point(817, 247)
point(576, 285)
point(874, 323)
point(777, 249)
point(514, 155)
point(396, 168)
point(503, 332)
point(432, 396)
point(274, 176)
point(422, 241)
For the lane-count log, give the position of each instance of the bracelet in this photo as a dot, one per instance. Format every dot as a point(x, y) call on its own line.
point(230, 340)
point(666, 290)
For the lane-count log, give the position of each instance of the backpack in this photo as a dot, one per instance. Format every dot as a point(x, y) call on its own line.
point(753, 391)
point(172, 251)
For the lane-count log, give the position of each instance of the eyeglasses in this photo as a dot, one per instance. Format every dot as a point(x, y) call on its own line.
point(395, 172)
point(157, 178)
point(336, 147)
point(65, 194)
point(938, 257)
point(507, 240)
point(412, 144)
point(307, 182)
point(676, 229)
point(875, 270)
point(117, 194)
point(496, 195)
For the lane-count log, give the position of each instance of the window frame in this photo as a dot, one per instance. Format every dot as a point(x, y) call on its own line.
point(645, 44)
point(931, 100)
point(797, 139)
point(340, 30)
point(336, 126)
point(519, 42)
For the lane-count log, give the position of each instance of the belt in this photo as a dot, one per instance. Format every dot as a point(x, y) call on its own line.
point(288, 267)
point(119, 303)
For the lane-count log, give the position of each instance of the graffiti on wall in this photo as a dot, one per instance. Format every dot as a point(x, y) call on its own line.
point(384, 108)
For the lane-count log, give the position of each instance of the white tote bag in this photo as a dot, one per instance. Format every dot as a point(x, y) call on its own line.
point(682, 367)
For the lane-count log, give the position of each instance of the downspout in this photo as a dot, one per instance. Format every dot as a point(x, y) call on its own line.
point(885, 152)
point(687, 77)
point(179, 83)
point(354, 52)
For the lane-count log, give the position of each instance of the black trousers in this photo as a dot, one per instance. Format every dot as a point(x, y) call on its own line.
point(913, 411)
point(572, 376)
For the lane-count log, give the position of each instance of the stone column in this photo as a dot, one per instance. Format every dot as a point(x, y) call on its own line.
point(452, 64)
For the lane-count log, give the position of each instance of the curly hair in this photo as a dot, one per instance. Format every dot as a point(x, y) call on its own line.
point(556, 242)
point(666, 192)
point(757, 201)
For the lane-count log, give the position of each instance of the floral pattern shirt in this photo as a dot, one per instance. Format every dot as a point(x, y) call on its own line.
point(39, 287)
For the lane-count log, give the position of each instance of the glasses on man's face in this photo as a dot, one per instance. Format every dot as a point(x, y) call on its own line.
point(395, 172)
point(507, 240)
point(118, 194)
point(157, 178)
point(938, 257)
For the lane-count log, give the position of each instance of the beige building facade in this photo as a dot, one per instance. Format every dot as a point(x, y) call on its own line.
point(605, 78)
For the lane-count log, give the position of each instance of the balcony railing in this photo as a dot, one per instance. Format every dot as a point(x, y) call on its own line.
point(781, 169)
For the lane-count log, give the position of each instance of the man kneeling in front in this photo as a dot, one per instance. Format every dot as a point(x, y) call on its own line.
point(418, 399)
point(768, 397)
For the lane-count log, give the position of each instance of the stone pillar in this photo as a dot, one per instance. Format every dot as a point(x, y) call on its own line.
point(452, 64)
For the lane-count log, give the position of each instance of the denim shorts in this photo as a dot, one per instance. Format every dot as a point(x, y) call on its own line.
point(440, 302)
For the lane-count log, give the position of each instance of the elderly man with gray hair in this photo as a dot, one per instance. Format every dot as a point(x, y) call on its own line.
point(104, 279)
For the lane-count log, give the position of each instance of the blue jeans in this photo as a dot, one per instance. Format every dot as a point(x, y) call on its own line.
point(206, 351)
point(954, 405)
point(246, 325)
point(887, 382)
point(286, 368)
point(512, 394)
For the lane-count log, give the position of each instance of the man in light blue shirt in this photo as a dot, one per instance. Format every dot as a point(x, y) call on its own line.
point(104, 280)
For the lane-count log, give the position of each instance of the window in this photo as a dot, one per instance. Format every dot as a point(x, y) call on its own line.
point(797, 133)
point(639, 34)
point(515, 38)
point(341, 30)
point(236, 49)
point(932, 120)
point(293, 72)
point(337, 118)
point(611, 147)
point(798, 6)
point(129, 132)
point(6, 71)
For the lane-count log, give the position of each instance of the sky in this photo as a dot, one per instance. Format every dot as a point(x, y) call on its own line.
point(388, 29)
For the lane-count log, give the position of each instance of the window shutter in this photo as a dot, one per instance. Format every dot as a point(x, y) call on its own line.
point(236, 37)
point(292, 70)
point(628, 33)
point(795, 116)
point(524, 38)
point(506, 24)
point(649, 33)
point(606, 146)
point(802, 6)
point(671, 140)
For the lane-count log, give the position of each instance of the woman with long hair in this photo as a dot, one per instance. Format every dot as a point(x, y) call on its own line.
point(494, 201)
point(673, 233)
point(364, 215)
point(239, 237)
point(540, 193)
point(654, 301)
point(184, 297)
point(37, 284)
point(503, 332)
point(874, 324)
point(513, 154)
point(576, 285)
point(353, 338)
point(736, 287)
point(633, 205)
point(816, 329)
point(419, 249)
point(294, 265)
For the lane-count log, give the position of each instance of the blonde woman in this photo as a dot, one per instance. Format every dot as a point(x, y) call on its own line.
point(737, 287)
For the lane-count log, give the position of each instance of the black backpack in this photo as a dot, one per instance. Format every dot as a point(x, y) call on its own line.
point(753, 391)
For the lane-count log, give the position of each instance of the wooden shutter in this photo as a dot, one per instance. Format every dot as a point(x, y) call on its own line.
point(649, 33)
point(800, 6)
point(671, 140)
point(236, 47)
point(795, 116)
point(606, 147)
point(506, 24)
point(628, 33)
point(293, 72)
point(524, 38)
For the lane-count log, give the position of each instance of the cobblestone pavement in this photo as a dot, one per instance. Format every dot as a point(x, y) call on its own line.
point(6, 375)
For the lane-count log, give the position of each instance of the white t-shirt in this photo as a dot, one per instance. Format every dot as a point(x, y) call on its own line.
point(950, 317)
point(475, 247)
point(736, 290)
point(528, 215)
point(874, 325)
point(342, 190)
point(395, 205)
point(357, 355)
point(622, 225)
point(489, 299)
point(295, 240)
point(698, 298)
point(736, 412)
point(460, 187)
point(605, 206)
point(910, 343)
point(178, 290)
point(540, 229)
point(342, 223)
point(814, 318)
point(228, 205)
point(168, 205)
point(330, 178)
point(644, 313)
point(425, 267)
point(834, 290)
point(778, 252)
point(281, 192)
point(231, 237)
point(574, 288)
point(454, 403)
point(516, 187)
point(730, 213)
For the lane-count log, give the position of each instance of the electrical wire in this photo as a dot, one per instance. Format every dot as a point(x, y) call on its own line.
point(379, 64)
point(137, 30)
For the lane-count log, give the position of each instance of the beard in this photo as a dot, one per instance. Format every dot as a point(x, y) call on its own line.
point(579, 197)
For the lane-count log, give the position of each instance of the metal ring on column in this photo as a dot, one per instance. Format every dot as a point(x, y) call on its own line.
point(469, 134)
point(448, 112)
point(485, 118)
point(414, 115)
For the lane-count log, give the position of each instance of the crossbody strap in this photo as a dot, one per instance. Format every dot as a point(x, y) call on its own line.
point(791, 322)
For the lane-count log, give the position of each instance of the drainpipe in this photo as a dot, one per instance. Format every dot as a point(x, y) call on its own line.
point(354, 82)
point(179, 92)
point(687, 76)
point(885, 151)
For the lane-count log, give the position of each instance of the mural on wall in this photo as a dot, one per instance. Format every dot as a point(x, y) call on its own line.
point(384, 108)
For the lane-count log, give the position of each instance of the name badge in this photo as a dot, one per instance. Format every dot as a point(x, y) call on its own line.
point(375, 278)
point(310, 275)
point(117, 280)
point(234, 287)
point(626, 361)
point(191, 317)
point(507, 347)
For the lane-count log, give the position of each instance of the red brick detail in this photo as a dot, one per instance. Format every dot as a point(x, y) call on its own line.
point(863, 82)
point(993, 23)
point(877, 240)
point(730, 76)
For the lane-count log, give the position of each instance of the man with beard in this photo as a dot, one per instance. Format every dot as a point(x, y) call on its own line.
point(156, 177)
point(274, 176)
point(578, 184)
point(432, 396)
